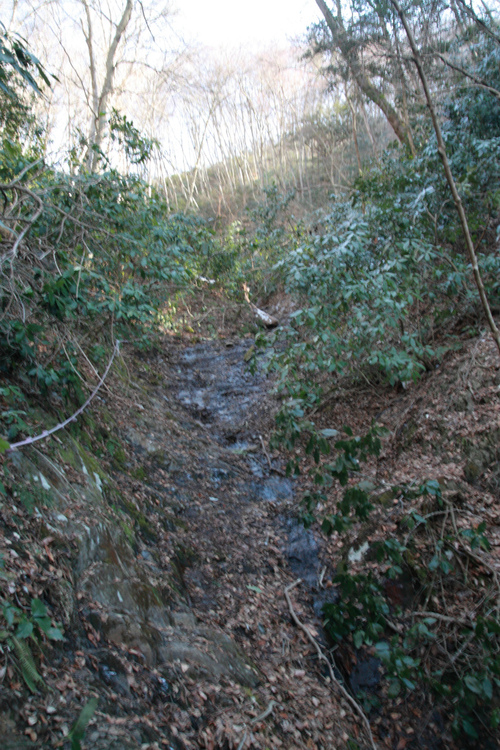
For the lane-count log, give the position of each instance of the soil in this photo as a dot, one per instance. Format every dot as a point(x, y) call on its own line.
point(169, 580)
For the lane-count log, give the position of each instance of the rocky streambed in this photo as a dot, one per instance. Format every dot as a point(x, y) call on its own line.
point(178, 544)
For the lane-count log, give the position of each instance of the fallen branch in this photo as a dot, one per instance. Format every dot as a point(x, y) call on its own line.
point(321, 656)
point(445, 618)
point(46, 433)
point(265, 451)
point(267, 320)
point(264, 714)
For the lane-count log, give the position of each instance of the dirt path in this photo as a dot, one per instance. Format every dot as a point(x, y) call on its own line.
point(161, 535)
point(165, 552)
point(236, 550)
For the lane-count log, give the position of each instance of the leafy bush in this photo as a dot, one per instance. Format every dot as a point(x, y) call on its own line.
point(464, 674)
point(247, 251)
point(97, 248)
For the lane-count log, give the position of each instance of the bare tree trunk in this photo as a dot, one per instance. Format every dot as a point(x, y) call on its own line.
point(404, 97)
point(354, 131)
point(369, 132)
point(449, 176)
point(349, 53)
point(100, 99)
point(89, 39)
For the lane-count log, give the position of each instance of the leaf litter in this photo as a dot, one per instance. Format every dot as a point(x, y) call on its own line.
point(189, 490)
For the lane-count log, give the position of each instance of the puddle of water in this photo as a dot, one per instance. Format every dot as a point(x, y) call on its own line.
point(218, 388)
point(255, 468)
point(270, 489)
point(276, 489)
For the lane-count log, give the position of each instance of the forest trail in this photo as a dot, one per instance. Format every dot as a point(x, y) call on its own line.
point(239, 549)
point(170, 541)
point(176, 615)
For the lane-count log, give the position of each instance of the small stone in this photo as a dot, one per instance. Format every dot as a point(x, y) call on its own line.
point(472, 471)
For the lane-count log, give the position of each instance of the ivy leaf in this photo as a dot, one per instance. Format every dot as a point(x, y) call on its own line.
point(55, 634)
point(487, 688)
point(38, 608)
point(9, 612)
point(394, 689)
point(44, 623)
point(358, 638)
point(24, 629)
point(469, 729)
point(473, 684)
point(329, 433)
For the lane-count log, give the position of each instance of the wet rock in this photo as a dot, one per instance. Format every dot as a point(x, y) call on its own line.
point(185, 620)
point(217, 387)
point(365, 674)
point(472, 471)
point(161, 688)
point(47, 477)
point(126, 633)
point(112, 673)
point(62, 595)
point(272, 489)
point(115, 591)
point(202, 652)
point(483, 456)
point(302, 553)
point(147, 443)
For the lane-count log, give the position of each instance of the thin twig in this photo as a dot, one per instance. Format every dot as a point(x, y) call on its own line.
point(29, 222)
point(265, 451)
point(321, 656)
point(264, 714)
point(444, 618)
point(46, 433)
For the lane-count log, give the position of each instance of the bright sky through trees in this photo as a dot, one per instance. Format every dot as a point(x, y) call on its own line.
point(228, 23)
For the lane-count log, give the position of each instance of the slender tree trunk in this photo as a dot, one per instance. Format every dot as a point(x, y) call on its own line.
point(100, 99)
point(354, 131)
point(369, 132)
point(449, 176)
point(402, 78)
point(349, 53)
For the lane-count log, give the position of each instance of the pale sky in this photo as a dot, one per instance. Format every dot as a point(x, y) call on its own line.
point(254, 23)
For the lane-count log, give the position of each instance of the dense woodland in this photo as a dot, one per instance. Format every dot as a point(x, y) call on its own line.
point(353, 177)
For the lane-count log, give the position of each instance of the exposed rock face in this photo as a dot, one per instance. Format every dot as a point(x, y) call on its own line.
point(134, 603)
point(133, 613)
point(171, 551)
point(483, 457)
